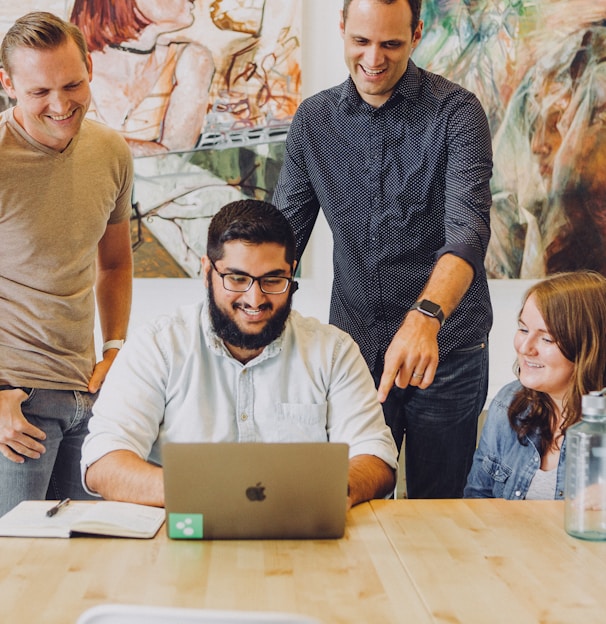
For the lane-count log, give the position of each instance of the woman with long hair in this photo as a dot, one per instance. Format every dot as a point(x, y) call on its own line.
point(561, 355)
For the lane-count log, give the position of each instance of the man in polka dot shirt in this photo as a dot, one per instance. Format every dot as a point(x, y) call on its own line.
point(400, 159)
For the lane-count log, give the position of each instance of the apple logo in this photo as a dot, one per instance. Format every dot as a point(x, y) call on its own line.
point(256, 492)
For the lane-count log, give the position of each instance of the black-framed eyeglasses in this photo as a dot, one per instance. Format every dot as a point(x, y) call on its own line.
point(240, 282)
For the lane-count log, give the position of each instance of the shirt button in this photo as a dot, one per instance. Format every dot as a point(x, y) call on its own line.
point(244, 417)
point(518, 493)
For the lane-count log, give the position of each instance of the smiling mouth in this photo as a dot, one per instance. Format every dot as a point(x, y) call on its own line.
point(62, 117)
point(252, 312)
point(533, 365)
point(372, 72)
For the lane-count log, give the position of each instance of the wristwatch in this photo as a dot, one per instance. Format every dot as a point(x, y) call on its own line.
point(429, 308)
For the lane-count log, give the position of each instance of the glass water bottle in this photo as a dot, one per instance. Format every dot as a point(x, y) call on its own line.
point(585, 515)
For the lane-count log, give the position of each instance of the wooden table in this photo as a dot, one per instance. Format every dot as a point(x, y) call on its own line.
point(355, 579)
point(492, 561)
point(468, 561)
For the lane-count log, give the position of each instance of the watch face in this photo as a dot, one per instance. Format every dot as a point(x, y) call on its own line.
point(430, 307)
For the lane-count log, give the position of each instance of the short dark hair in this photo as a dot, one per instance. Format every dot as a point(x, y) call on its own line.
point(253, 221)
point(415, 7)
point(40, 30)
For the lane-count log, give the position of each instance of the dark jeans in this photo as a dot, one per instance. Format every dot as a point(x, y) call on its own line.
point(63, 415)
point(440, 423)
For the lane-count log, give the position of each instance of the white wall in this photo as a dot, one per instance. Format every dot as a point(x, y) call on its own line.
point(323, 67)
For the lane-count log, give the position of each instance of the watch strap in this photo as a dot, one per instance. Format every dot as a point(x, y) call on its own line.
point(436, 312)
point(113, 344)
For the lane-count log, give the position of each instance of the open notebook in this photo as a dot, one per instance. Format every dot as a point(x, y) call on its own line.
point(29, 519)
point(255, 490)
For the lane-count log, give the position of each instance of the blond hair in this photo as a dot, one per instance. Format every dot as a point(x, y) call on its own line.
point(40, 30)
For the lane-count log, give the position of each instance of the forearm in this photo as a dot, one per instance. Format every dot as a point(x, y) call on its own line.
point(449, 281)
point(114, 282)
point(123, 476)
point(369, 477)
point(114, 296)
point(414, 348)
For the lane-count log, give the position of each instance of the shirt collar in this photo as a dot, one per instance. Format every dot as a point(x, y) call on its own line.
point(407, 88)
point(17, 128)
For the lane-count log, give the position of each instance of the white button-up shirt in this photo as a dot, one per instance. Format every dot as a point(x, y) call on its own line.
point(175, 381)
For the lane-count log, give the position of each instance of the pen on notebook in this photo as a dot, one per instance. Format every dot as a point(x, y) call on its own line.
point(60, 505)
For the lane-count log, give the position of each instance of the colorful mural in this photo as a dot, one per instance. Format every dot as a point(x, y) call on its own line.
point(203, 91)
point(539, 68)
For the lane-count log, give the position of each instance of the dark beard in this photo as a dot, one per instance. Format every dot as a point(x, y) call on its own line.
point(231, 334)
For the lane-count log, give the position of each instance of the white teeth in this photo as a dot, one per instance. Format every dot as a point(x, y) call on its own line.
point(251, 312)
point(61, 117)
point(372, 72)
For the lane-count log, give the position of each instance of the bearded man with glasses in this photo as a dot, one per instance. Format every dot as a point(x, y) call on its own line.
point(241, 366)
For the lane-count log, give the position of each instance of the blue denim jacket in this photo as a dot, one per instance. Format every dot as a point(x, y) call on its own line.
point(502, 467)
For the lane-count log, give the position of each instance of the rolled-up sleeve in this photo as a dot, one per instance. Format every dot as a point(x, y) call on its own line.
point(467, 190)
point(354, 413)
point(130, 408)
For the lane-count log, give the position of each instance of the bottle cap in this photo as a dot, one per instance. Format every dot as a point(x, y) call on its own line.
point(594, 403)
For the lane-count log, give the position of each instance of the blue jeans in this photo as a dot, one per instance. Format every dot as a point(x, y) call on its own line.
point(440, 423)
point(63, 415)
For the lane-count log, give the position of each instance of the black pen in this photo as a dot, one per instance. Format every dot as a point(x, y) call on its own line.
point(53, 510)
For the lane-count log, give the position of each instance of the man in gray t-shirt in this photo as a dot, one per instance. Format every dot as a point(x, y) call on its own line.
point(65, 203)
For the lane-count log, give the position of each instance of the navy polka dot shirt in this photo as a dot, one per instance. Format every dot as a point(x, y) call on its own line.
point(400, 186)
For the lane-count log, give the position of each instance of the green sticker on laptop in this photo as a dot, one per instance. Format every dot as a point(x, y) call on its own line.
point(185, 526)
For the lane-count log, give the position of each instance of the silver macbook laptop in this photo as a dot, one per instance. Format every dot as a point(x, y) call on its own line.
point(255, 490)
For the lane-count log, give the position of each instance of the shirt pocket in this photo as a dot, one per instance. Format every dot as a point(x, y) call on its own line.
point(301, 422)
point(498, 472)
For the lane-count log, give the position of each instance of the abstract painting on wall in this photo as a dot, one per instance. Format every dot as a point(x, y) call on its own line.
point(539, 69)
point(203, 91)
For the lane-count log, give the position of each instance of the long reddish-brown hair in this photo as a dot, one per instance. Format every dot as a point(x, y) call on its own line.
point(573, 306)
point(108, 22)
